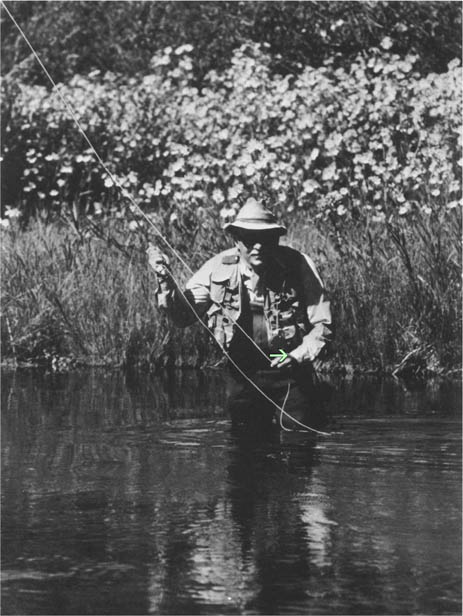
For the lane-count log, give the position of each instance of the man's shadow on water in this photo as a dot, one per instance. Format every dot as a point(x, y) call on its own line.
point(272, 491)
point(266, 470)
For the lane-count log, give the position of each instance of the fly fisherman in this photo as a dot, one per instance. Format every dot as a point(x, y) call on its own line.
point(257, 298)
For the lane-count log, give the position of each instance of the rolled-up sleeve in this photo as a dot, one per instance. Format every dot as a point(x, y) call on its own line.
point(183, 308)
point(318, 314)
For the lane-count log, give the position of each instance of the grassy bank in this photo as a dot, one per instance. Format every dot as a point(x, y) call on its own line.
point(72, 295)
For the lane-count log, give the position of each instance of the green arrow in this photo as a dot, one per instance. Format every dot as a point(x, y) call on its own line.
point(282, 355)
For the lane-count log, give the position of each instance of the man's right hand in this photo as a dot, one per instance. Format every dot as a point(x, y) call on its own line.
point(160, 264)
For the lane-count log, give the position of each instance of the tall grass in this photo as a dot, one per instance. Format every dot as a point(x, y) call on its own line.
point(74, 296)
point(394, 287)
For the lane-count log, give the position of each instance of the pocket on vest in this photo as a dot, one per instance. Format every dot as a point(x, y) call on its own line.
point(218, 292)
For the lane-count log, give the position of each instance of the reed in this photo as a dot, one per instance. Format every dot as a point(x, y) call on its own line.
point(71, 297)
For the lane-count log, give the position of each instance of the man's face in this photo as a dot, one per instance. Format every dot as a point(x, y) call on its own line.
point(257, 247)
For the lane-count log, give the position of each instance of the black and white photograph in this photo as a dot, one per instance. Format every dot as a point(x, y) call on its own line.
point(231, 307)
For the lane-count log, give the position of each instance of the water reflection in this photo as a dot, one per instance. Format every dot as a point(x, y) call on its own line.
point(135, 496)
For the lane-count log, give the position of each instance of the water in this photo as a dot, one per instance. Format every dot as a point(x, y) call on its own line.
point(135, 497)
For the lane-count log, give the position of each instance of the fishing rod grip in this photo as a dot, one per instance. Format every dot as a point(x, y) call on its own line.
point(159, 262)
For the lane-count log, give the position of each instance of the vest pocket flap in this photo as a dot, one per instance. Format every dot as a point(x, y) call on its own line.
point(219, 284)
point(220, 276)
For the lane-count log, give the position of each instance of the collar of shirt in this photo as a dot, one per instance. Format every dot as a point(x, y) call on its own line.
point(245, 269)
point(252, 282)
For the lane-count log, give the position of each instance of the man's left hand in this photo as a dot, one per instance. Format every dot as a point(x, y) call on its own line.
point(288, 361)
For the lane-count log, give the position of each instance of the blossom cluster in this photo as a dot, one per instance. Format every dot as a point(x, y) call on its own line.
point(376, 140)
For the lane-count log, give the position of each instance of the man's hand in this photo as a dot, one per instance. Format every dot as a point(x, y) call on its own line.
point(288, 361)
point(160, 263)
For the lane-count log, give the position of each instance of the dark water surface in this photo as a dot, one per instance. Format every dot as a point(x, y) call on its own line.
point(135, 497)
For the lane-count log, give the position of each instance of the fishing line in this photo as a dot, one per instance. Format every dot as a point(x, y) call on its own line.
point(137, 208)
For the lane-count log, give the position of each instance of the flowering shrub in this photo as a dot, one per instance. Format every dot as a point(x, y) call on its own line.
point(373, 140)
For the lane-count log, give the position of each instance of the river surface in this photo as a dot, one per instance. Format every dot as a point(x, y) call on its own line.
point(134, 496)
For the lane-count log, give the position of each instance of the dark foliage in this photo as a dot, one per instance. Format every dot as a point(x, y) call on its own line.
point(78, 37)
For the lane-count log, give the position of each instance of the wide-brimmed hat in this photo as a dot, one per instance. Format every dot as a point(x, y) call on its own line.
point(253, 216)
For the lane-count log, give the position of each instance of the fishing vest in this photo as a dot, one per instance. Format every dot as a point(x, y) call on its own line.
point(284, 310)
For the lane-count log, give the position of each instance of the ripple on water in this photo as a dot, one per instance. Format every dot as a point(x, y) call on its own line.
point(137, 497)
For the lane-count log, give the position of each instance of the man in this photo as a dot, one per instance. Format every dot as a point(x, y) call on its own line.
point(258, 298)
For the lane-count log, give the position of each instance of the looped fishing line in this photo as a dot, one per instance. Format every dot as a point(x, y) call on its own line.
point(283, 406)
point(135, 206)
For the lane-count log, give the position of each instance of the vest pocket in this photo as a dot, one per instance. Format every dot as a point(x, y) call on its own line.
point(217, 291)
point(222, 294)
point(220, 326)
